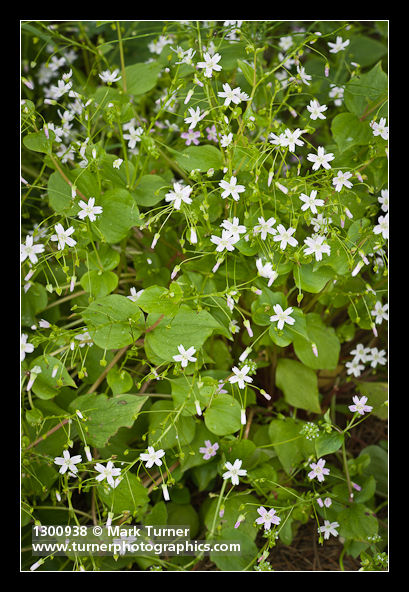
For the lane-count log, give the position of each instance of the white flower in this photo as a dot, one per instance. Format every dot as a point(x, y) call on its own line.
point(320, 224)
point(266, 271)
point(195, 117)
point(30, 250)
point(157, 46)
point(226, 241)
point(234, 227)
point(89, 209)
point(25, 348)
point(230, 95)
point(231, 188)
point(341, 180)
point(336, 93)
point(63, 236)
point(280, 140)
point(384, 200)
point(108, 473)
point(109, 77)
point(210, 63)
point(240, 376)
point(234, 471)
point(117, 163)
point(318, 470)
point(316, 110)
point(354, 367)
point(226, 140)
point(380, 312)
point(285, 237)
point(310, 201)
point(282, 316)
point(291, 138)
point(380, 129)
point(67, 462)
point(303, 75)
point(265, 227)
point(317, 246)
point(152, 457)
point(185, 356)
point(133, 136)
point(377, 357)
point(360, 353)
point(383, 226)
point(134, 294)
point(285, 43)
point(339, 45)
point(320, 159)
point(56, 92)
point(179, 194)
point(329, 528)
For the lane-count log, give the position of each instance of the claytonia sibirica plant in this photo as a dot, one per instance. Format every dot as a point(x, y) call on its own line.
point(204, 288)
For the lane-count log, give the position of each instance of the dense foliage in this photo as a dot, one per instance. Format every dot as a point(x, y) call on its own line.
point(204, 284)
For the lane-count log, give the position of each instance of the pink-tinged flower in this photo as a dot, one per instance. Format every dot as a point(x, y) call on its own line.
point(329, 528)
point(267, 517)
point(212, 134)
point(318, 470)
point(360, 406)
point(356, 486)
point(190, 136)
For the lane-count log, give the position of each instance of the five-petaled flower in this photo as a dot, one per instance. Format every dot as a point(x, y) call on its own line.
point(234, 471)
point(240, 376)
point(329, 528)
point(68, 462)
point(30, 250)
point(318, 470)
point(63, 237)
point(89, 209)
point(267, 517)
point(209, 449)
point(185, 356)
point(320, 159)
point(360, 405)
point(210, 63)
point(152, 457)
point(231, 188)
point(282, 316)
point(179, 194)
point(108, 473)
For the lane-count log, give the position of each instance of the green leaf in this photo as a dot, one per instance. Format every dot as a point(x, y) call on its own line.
point(236, 562)
point(308, 280)
point(150, 190)
point(157, 299)
point(363, 93)
point(119, 214)
point(32, 302)
point(200, 157)
point(183, 515)
point(46, 385)
point(99, 283)
point(141, 77)
point(357, 522)
point(325, 339)
point(104, 416)
point(38, 142)
point(120, 381)
point(377, 393)
point(328, 443)
point(166, 429)
point(112, 321)
point(299, 385)
point(59, 194)
point(129, 495)
point(187, 328)
point(365, 50)
point(247, 70)
point(186, 390)
point(347, 130)
point(222, 417)
point(291, 446)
